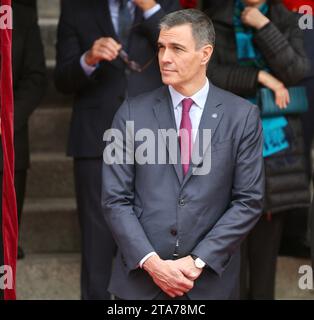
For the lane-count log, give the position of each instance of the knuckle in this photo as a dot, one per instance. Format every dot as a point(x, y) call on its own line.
point(181, 283)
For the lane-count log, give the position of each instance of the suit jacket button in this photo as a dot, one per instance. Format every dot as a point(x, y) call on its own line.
point(174, 232)
point(181, 202)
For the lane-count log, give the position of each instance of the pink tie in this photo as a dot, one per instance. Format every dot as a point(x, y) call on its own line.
point(185, 135)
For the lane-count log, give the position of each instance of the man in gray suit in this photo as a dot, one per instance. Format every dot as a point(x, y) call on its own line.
point(179, 227)
point(106, 50)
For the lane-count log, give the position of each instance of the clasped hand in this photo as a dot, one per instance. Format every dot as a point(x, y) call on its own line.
point(174, 277)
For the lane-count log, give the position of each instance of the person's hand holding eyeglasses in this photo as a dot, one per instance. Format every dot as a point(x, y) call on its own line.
point(103, 49)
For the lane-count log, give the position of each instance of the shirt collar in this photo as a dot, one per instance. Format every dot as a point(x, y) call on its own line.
point(199, 97)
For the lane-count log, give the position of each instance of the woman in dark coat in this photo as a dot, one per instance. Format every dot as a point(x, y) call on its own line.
point(259, 44)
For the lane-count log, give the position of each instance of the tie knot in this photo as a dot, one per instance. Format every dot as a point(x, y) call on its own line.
point(187, 104)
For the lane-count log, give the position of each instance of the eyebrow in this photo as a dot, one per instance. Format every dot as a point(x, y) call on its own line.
point(173, 44)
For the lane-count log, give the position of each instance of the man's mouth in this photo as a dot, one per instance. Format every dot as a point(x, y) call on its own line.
point(167, 70)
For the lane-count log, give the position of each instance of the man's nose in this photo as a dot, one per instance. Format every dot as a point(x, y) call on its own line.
point(166, 56)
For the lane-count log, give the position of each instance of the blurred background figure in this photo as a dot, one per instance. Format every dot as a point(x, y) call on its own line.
point(295, 240)
point(308, 118)
point(29, 3)
point(210, 4)
point(106, 51)
point(259, 44)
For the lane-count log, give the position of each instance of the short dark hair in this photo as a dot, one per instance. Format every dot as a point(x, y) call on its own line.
point(202, 27)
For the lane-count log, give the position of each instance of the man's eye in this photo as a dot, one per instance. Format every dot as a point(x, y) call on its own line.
point(178, 49)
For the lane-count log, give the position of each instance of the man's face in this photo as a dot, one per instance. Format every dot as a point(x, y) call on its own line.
point(180, 61)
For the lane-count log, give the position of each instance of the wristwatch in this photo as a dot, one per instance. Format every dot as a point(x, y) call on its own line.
point(199, 263)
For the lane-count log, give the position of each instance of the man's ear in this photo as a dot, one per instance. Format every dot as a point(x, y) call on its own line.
point(207, 52)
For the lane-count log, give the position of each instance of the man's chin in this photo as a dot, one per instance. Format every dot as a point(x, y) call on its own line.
point(167, 81)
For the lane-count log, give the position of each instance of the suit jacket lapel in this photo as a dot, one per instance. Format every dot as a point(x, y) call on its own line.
point(102, 14)
point(212, 115)
point(103, 17)
point(166, 119)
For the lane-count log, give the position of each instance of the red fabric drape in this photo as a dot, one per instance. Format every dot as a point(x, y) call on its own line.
point(188, 4)
point(294, 5)
point(9, 212)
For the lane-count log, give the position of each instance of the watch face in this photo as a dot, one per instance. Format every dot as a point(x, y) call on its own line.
point(199, 264)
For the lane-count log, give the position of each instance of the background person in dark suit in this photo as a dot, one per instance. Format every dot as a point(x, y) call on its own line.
point(259, 44)
point(179, 228)
point(29, 80)
point(91, 66)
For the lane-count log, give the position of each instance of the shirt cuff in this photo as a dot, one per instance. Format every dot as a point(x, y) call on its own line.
point(146, 258)
point(86, 68)
point(147, 14)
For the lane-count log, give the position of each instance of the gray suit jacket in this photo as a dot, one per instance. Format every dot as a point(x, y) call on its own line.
point(148, 207)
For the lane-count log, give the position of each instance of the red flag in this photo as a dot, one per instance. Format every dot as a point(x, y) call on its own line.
point(294, 5)
point(9, 212)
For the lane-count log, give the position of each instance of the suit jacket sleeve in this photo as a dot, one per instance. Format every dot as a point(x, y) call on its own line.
point(221, 242)
point(232, 77)
point(237, 79)
point(286, 57)
point(29, 88)
point(69, 76)
point(117, 200)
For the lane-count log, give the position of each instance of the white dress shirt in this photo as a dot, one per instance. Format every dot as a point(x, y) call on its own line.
point(196, 113)
point(197, 108)
point(114, 12)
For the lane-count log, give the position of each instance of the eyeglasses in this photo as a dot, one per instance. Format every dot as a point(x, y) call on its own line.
point(133, 65)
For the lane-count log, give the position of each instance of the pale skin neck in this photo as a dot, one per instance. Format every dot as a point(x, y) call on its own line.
point(189, 89)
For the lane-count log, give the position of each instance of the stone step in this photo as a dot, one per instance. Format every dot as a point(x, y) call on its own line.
point(57, 276)
point(50, 176)
point(48, 8)
point(48, 30)
point(49, 277)
point(287, 279)
point(48, 129)
point(50, 226)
